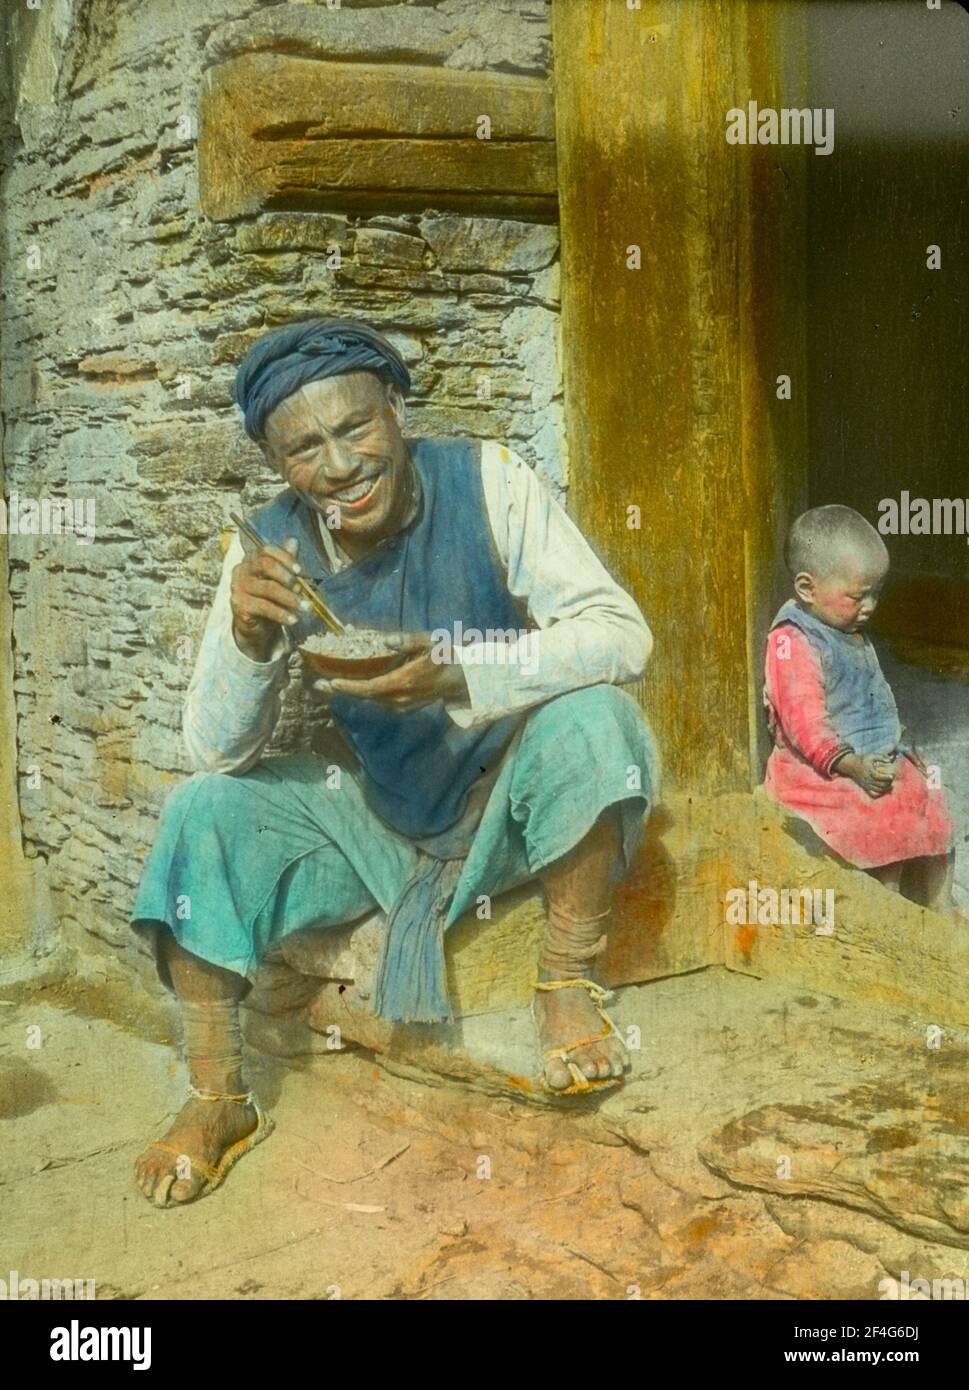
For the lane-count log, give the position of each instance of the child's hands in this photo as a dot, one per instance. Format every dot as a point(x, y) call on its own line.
point(874, 774)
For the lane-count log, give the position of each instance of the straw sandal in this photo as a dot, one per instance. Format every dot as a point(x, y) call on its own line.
point(214, 1177)
point(581, 1084)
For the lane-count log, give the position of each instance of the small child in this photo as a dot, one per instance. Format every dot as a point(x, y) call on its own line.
point(841, 760)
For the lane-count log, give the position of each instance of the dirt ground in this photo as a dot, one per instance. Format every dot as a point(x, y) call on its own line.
point(377, 1186)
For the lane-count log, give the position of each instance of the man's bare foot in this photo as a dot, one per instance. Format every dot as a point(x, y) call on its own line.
point(202, 1132)
point(566, 1016)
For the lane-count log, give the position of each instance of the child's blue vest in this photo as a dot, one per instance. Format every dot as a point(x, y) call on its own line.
point(860, 704)
point(419, 765)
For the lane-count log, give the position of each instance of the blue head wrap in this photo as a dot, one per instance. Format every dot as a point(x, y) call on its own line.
point(287, 358)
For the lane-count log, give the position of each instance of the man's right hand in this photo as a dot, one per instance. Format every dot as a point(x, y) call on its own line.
point(263, 600)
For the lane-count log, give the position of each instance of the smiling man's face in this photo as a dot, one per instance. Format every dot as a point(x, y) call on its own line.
point(339, 441)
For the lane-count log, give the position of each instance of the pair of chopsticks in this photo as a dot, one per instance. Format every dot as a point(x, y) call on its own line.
point(307, 590)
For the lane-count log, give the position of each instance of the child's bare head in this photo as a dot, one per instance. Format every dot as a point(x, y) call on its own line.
point(838, 562)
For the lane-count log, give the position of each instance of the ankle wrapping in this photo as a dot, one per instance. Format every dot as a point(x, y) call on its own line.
point(213, 1045)
point(570, 943)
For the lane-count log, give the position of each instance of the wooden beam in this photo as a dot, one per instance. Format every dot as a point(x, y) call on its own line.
point(282, 132)
point(670, 368)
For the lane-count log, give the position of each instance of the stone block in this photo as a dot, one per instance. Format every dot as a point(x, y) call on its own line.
point(489, 243)
point(289, 231)
point(398, 36)
point(279, 989)
point(883, 949)
point(664, 924)
point(380, 246)
point(670, 919)
point(660, 929)
point(205, 452)
point(348, 955)
point(466, 35)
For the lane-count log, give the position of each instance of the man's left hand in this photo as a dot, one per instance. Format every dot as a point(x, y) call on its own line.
point(417, 681)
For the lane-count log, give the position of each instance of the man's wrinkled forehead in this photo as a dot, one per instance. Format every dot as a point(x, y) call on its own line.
point(328, 402)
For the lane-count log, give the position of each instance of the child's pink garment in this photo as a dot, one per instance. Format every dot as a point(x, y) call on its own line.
point(908, 822)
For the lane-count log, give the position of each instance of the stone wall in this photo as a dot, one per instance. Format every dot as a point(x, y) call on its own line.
point(124, 312)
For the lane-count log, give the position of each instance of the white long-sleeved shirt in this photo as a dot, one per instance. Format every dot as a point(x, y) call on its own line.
point(590, 630)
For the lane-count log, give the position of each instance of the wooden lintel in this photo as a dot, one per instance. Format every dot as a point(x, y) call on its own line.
point(278, 131)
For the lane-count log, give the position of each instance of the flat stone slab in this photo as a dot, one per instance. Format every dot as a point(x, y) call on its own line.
point(475, 36)
point(898, 1151)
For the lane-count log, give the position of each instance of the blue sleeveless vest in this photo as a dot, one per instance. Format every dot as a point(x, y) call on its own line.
point(419, 765)
point(860, 703)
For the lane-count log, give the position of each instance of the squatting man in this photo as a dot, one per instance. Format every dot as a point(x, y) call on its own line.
point(461, 778)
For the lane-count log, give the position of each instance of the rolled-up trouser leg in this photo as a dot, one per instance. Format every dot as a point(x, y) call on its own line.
point(579, 755)
point(573, 759)
point(589, 763)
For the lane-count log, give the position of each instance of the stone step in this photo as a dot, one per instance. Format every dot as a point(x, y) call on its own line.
point(670, 919)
